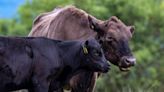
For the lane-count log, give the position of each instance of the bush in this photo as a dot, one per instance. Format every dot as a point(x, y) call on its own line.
point(147, 42)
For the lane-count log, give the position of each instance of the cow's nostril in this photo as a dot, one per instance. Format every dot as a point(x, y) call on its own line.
point(130, 61)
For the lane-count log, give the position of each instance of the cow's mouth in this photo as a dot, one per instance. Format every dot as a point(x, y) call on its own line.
point(123, 63)
point(124, 69)
point(126, 63)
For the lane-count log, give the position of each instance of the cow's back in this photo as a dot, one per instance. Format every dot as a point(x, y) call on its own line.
point(67, 23)
point(46, 51)
point(15, 63)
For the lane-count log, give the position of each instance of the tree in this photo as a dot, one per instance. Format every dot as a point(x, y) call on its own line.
point(147, 42)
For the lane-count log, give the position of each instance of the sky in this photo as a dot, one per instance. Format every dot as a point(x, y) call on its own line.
point(8, 8)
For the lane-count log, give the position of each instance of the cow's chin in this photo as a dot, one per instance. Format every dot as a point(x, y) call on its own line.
point(117, 62)
point(124, 68)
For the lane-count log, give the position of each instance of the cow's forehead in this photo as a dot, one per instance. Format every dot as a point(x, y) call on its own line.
point(94, 43)
point(116, 26)
point(119, 30)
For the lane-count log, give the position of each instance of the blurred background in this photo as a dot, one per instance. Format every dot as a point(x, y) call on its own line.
point(16, 17)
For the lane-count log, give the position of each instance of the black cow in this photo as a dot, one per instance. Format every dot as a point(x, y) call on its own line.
point(37, 63)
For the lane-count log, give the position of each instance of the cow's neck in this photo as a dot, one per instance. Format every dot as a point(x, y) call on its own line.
point(69, 53)
point(72, 62)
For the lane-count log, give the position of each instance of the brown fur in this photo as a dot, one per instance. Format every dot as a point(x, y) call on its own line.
point(50, 24)
point(70, 23)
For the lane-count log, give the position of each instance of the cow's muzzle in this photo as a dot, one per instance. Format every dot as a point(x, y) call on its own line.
point(105, 68)
point(127, 62)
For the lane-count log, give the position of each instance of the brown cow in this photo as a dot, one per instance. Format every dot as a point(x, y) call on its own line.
point(69, 23)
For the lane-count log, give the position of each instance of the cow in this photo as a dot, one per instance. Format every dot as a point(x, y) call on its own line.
point(36, 63)
point(70, 23)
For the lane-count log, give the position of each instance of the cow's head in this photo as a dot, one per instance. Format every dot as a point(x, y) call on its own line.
point(114, 36)
point(94, 56)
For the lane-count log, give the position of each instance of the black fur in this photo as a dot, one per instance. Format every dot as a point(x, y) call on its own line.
point(42, 65)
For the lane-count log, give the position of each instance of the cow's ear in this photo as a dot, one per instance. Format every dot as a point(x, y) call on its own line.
point(114, 19)
point(132, 28)
point(92, 23)
point(95, 25)
point(29, 51)
point(86, 43)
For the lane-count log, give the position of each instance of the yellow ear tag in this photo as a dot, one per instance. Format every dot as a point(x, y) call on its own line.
point(85, 50)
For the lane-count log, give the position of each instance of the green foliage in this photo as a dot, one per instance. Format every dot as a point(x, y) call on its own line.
point(12, 28)
point(147, 42)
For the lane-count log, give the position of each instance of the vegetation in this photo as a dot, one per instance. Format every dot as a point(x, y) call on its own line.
point(147, 42)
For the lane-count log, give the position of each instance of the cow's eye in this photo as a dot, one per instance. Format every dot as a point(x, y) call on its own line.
point(97, 53)
point(109, 39)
